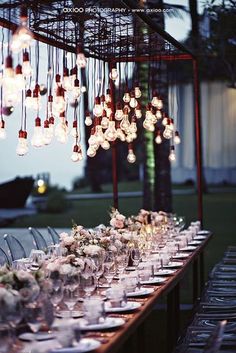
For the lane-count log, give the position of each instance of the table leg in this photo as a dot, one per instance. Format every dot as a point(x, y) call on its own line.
point(195, 280)
point(141, 338)
point(202, 274)
point(173, 316)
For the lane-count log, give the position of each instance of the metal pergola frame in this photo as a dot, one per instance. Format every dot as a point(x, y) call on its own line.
point(183, 56)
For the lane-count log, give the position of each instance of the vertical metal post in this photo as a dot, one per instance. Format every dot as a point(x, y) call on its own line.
point(114, 148)
point(198, 140)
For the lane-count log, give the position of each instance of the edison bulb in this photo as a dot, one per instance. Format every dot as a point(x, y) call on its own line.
point(158, 139)
point(81, 60)
point(83, 89)
point(111, 134)
point(119, 114)
point(113, 74)
point(129, 138)
point(104, 122)
point(158, 114)
point(160, 104)
point(155, 101)
point(167, 134)
point(172, 156)
point(91, 152)
point(88, 120)
point(126, 97)
point(37, 138)
point(22, 146)
point(137, 92)
point(177, 139)
point(76, 154)
point(138, 113)
point(98, 110)
point(120, 134)
point(58, 105)
point(148, 125)
point(47, 135)
point(125, 124)
point(133, 102)
point(165, 121)
point(105, 145)
point(131, 158)
point(21, 39)
point(27, 69)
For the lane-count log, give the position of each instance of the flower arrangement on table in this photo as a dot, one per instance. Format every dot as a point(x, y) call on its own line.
point(26, 284)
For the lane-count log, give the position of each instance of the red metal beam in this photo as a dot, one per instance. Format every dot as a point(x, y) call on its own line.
point(198, 138)
point(171, 57)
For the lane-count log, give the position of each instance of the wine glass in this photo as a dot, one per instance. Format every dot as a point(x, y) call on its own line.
point(88, 283)
point(56, 293)
point(70, 299)
point(34, 316)
point(98, 262)
point(135, 256)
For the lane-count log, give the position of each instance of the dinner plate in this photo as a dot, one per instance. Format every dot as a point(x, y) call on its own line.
point(154, 280)
point(67, 314)
point(109, 322)
point(199, 237)
point(203, 232)
point(140, 292)
point(174, 264)
point(165, 272)
point(181, 256)
point(188, 248)
point(129, 306)
point(194, 242)
point(84, 345)
point(39, 336)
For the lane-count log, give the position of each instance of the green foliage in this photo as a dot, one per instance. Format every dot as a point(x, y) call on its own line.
point(56, 202)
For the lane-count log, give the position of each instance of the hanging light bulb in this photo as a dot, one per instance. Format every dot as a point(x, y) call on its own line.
point(158, 114)
point(2, 130)
point(47, 133)
point(36, 98)
point(19, 79)
point(105, 145)
point(83, 89)
point(91, 152)
point(108, 96)
point(37, 138)
point(113, 74)
point(172, 156)
point(28, 99)
point(126, 97)
point(66, 80)
point(26, 67)
point(8, 82)
point(131, 158)
point(74, 131)
point(22, 37)
point(160, 103)
point(129, 138)
point(177, 139)
point(167, 134)
point(137, 91)
point(111, 134)
point(88, 119)
point(133, 126)
point(105, 120)
point(125, 124)
point(99, 134)
point(148, 125)
point(138, 111)
point(165, 120)
point(51, 125)
point(119, 112)
point(98, 109)
point(171, 124)
point(81, 60)
point(50, 105)
point(155, 100)
point(76, 89)
point(76, 154)
point(120, 134)
point(73, 75)
point(158, 138)
point(22, 146)
point(59, 104)
point(133, 101)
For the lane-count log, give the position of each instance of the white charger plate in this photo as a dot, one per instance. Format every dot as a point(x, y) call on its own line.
point(188, 248)
point(174, 264)
point(154, 280)
point(66, 314)
point(164, 272)
point(84, 345)
point(203, 232)
point(139, 292)
point(109, 322)
point(129, 306)
point(181, 256)
point(195, 242)
point(39, 336)
point(200, 237)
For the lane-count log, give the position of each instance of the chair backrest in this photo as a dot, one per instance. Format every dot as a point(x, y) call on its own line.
point(4, 259)
point(39, 240)
point(215, 339)
point(16, 250)
point(55, 236)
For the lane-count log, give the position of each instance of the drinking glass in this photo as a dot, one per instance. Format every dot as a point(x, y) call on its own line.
point(88, 284)
point(70, 299)
point(93, 310)
point(56, 293)
point(34, 316)
point(135, 256)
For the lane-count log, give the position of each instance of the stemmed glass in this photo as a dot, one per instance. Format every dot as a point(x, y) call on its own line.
point(56, 293)
point(70, 299)
point(135, 256)
point(34, 317)
point(109, 267)
point(98, 262)
point(88, 283)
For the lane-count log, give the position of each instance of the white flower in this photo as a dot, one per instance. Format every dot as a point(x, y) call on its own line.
point(52, 266)
point(65, 269)
point(63, 235)
point(68, 241)
point(92, 250)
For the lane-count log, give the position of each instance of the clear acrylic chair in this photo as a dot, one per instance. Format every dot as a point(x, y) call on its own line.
point(16, 250)
point(4, 259)
point(54, 235)
point(38, 238)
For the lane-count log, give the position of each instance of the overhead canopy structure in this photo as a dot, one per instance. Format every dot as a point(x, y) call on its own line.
point(109, 30)
point(105, 27)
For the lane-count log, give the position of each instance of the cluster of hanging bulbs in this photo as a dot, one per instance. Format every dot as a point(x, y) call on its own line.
point(16, 84)
point(122, 124)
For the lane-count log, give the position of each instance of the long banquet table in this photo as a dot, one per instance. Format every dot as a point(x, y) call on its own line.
point(134, 320)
